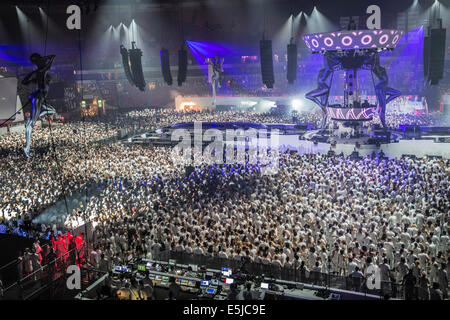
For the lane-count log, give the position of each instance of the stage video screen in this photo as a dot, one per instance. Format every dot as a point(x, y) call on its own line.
point(8, 97)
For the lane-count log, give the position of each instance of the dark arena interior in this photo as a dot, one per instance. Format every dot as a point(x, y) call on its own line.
point(208, 150)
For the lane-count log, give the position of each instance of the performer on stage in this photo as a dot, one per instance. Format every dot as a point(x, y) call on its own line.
point(216, 71)
point(39, 107)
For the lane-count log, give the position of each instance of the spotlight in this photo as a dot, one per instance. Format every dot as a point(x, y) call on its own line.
point(296, 104)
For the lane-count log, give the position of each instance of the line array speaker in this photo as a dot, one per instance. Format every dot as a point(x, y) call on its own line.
point(126, 65)
point(265, 47)
point(437, 55)
point(136, 67)
point(292, 63)
point(165, 66)
point(426, 55)
point(182, 66)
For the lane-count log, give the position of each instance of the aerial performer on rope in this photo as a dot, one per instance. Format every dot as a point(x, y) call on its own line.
point(39, 105)
point(215, 72)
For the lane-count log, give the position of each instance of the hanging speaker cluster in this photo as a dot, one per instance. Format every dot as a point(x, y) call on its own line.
point(165, 66)
point(265, 47)
point(291, 63)
point(426, 55)
point(132, 65)
point(434, 55)
point(126, 64)
point(182, 66)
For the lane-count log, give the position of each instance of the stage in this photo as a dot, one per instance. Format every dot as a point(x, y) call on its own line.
point(305, 143)
point(262, 104)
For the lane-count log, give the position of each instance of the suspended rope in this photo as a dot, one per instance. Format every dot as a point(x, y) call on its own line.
point(292, 23)
point(131, 31)
point(46, 28)
point(264, 20)
point(52, 142)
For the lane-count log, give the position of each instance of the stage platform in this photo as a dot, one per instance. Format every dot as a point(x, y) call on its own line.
point(300, 144)
point(263, 103)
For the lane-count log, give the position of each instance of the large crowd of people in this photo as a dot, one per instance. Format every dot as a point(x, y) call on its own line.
point(166, 117)
point(30, 186)
point(317, 208)
point(369, 214)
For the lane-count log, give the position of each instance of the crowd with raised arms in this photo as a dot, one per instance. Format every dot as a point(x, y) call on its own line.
point(394, 120)
point(28, 186)
point(392, 213)
point(23, 181)
point(169, 117)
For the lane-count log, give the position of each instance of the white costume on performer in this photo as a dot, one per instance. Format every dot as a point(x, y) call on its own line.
point(215, 74)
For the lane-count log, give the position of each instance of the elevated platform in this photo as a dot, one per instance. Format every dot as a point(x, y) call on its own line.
point(309, 141)
point(352, 40)
point(244, 102)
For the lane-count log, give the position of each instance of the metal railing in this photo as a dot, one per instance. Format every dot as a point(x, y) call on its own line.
point(294, 273)
point(51, 276)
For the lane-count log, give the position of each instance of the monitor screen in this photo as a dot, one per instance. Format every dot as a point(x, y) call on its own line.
point(194, 267)
point(118, 268)
point(229, 280)
point(164, 278)
point(184, 282)
point(211, 291)
point(148, 265)
point(141, 267)
point(158, 277)
point(226, 272)
point(214, 282)
point(178, 281)
point(264, 285)
point(191, 283)
point(204, 283)
point(209, 275)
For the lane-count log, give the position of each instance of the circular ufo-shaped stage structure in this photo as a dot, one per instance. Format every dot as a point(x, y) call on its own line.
point(351, 51)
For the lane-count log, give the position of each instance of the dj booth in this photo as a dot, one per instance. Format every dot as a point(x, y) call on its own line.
point(212, 284)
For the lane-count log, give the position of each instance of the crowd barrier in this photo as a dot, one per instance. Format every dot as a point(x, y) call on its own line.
point(50, 277)
point(391, 288)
